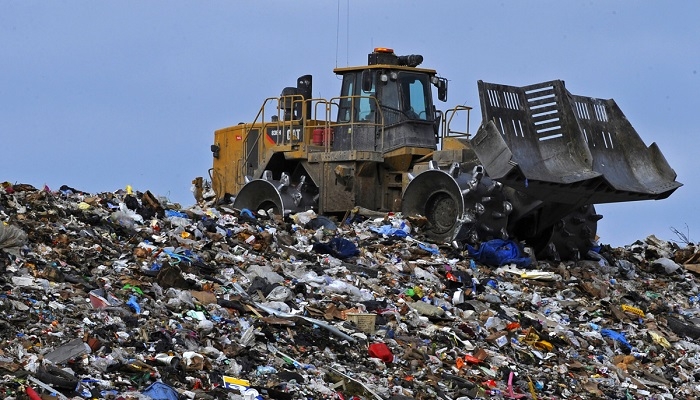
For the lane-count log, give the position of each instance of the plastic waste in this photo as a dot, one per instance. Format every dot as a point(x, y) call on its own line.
point(280, 293)
point(11, 238)
point(668, 265)
point(265, 272)
point(247, 213)
point(67, 351)
point(381, 351)
point(494, 323)
point(277, 306)
point(174, 213)
point(178, 299)
point(192, 361)
point(499, 252)
point(337, 247)
point(432, 249)
point(338, 286)
point(99, 298)
point(303, 218)
point(161, 391)
point(238, 384)
point(265, 370)
point(134, 304)
point(428, 310)
point(536, 299)
point(540, 275)
point(321, 222)
point(252, 394)
point(617, 336)
point(389, 230)
point(420, 273)
point(626, 269)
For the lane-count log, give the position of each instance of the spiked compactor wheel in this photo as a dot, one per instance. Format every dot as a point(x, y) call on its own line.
point(572, 236)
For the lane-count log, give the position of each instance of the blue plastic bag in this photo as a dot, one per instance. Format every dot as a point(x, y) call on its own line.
point(173, 213)
point(338, 248)
point(620, 337)
point(134, 304)
point(247, 213)
point(161, 391)
point(389, 230)
point(429, 249)
point(499, 252)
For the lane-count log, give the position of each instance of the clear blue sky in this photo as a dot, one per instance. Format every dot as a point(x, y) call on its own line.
point(102, 94)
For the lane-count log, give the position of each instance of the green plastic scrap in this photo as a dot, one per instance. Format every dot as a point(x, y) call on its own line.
point(134, 289)
point(140, 378)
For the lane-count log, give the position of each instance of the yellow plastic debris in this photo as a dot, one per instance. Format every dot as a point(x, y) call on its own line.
point(633, 310)
point(543, 345)
point(660, 340)
point(531, 386)
point(236, 383)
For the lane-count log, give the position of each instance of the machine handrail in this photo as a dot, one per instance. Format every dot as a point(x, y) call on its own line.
point(447, 121)
point(335, 102)
point(282, 124)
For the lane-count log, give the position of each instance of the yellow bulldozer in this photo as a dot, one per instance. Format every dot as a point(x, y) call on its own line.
point(540, 160)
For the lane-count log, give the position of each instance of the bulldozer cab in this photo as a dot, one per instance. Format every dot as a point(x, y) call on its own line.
point(388, 104)
point(404, 95)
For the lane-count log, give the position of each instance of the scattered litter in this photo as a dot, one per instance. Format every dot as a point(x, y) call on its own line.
point(125, 295)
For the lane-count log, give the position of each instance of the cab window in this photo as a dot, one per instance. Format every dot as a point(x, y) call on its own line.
point(355, 103)
point(366, 105)
point(347, 90)
point(415, 95)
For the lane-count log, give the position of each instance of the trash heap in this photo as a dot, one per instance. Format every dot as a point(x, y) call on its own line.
point(127, 296)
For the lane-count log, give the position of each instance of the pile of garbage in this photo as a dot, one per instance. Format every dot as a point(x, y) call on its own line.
point(125, 295)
